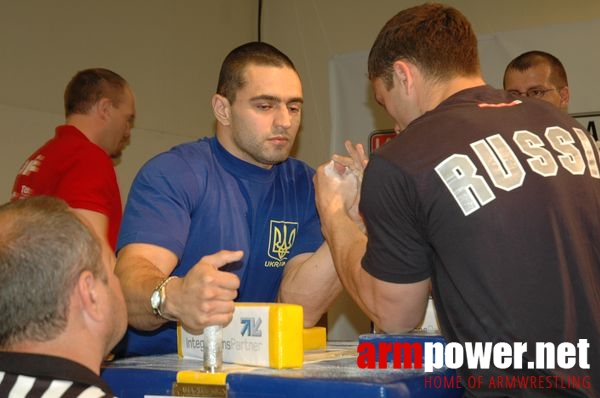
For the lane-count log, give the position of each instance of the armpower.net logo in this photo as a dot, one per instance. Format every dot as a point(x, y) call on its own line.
point(431, 356)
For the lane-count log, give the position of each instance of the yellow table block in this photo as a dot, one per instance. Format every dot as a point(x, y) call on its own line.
point(260, 334)
point(314, 338)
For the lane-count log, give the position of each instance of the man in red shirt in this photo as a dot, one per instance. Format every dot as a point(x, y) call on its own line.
point(76, 165)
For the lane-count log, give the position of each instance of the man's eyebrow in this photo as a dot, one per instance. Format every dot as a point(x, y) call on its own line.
point(277, 99)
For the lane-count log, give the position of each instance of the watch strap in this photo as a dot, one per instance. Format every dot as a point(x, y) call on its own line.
point(161, 289)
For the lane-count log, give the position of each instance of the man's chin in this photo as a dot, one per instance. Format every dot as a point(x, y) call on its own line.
point(116, 157)
point(280, 154)
point(277, 159)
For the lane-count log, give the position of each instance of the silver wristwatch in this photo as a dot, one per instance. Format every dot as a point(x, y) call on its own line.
point(158, 298)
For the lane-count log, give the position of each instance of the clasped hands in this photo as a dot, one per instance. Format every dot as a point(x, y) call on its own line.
point(337, 184)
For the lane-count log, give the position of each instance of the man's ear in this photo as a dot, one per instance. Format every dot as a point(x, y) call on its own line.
point(104, 107)
point(565, 95)
point(89, 295)
point(403, 75)
point(221, 109)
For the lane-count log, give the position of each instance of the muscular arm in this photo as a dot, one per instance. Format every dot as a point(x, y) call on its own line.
point(140, 268)
point(204, 296)
point(311, 281)
point(393, 307)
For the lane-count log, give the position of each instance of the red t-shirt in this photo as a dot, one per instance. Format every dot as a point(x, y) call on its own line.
point(71, 167)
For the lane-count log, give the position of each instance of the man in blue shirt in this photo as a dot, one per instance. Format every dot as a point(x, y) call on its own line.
point(226, 218)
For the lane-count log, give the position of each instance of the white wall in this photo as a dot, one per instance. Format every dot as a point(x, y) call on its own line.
point(169, 51)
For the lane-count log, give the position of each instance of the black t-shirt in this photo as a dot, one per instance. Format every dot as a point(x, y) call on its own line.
point(497, 199)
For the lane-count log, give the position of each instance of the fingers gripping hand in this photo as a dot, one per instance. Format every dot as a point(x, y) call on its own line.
point(208, 293)
point(336, 189)
point(356, 162)
point(338, 183)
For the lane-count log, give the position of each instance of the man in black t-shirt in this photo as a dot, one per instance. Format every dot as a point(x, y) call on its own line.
point(491, 199)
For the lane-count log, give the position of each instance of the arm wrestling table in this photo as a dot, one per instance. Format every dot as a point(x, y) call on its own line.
point(332, 373)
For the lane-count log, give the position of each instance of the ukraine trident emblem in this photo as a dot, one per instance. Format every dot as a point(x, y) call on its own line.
point(281, 238)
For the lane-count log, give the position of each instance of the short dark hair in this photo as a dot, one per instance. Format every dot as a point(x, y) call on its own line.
point(88, 86)
point(437, 38)
point(231, 76)
point(529, 59)
point(44, 247)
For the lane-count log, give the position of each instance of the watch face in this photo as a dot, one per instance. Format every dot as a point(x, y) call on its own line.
point(155, 300)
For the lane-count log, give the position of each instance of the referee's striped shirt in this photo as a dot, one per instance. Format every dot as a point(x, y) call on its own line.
point(41, 376)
